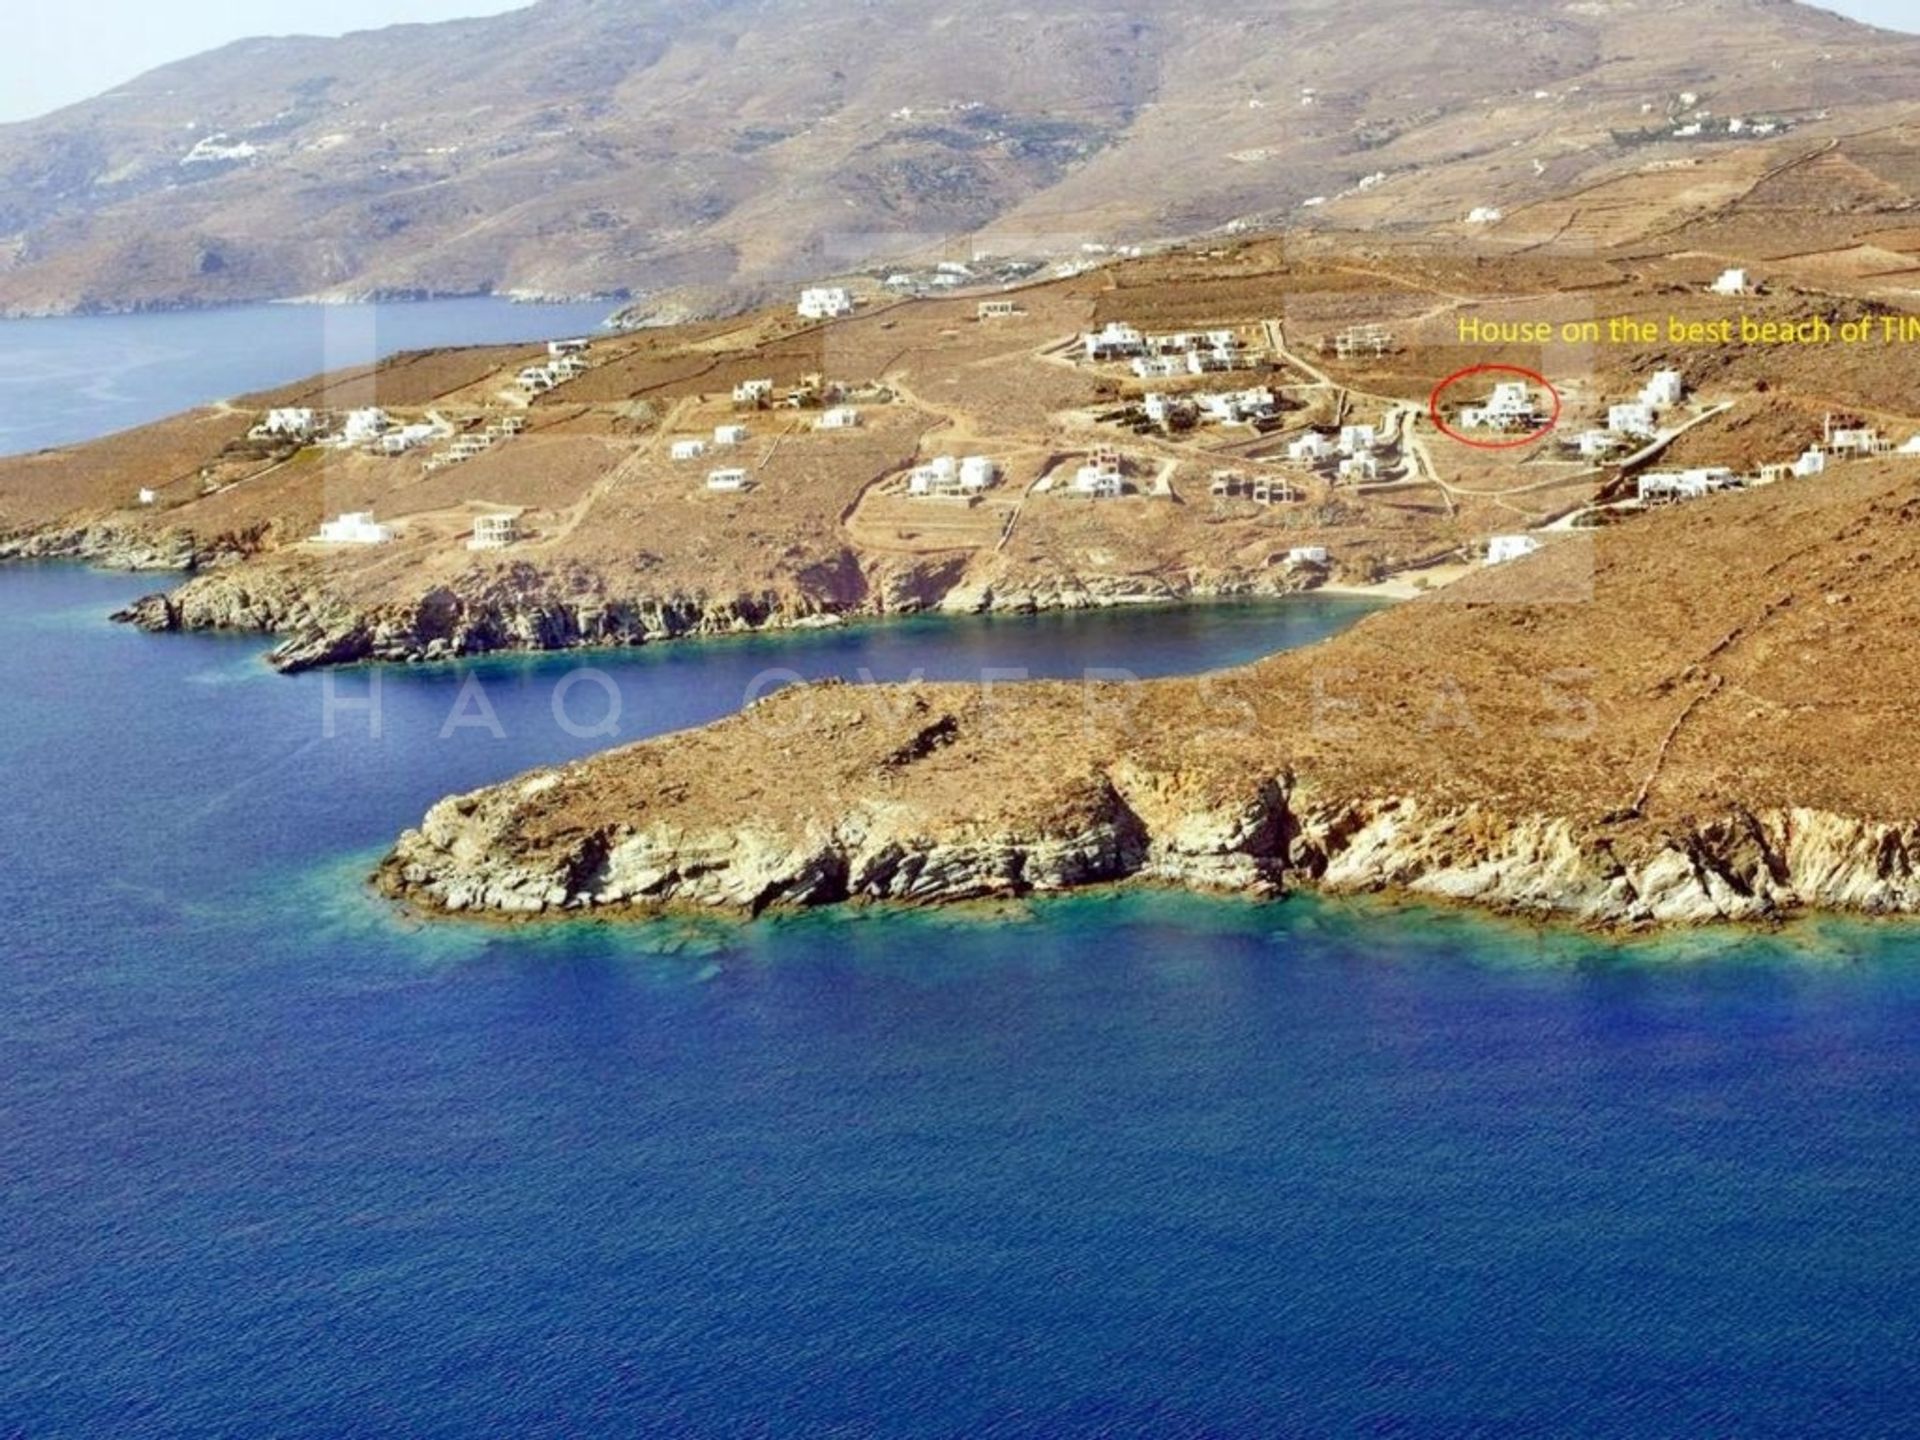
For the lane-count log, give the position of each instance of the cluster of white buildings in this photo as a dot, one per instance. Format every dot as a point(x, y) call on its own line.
point(478, 442)
point(946, 477)
point(1161, 357)
point(1353, 453)
point(1234, 407)
point(825, 302)
point(566, 360)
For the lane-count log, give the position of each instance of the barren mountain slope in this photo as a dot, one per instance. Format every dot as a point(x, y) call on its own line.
point(597, 145)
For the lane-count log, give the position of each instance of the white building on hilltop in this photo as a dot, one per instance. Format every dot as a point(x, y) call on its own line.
point(356, 527)
point(825, 302)
point(1734, 282)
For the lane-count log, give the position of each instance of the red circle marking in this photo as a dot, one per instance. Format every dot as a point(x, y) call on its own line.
point(1553, 421)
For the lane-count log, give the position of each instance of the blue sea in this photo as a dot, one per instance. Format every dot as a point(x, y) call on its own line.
point(74, 378)
point(276, 1160)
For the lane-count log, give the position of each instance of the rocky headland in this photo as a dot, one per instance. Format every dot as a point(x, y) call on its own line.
point(1703, 717)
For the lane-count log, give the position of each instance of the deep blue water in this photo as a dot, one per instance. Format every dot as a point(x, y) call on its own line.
point(279, 1162)
point(73, 378)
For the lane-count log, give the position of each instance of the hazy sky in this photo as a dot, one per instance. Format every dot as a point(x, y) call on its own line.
point(56, 53)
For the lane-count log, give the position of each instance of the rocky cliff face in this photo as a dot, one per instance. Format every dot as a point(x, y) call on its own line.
point(532, 610)
point(470, 856)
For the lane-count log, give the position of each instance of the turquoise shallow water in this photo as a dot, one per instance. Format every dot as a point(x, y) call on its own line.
point(279, 1161)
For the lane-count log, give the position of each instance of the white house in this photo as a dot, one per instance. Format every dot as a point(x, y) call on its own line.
point(1503, 548)
point(1361, 469)
point(356, 527)
point(1814, 462)
point(1666, 388)
point(1511, 407)
point(1159, 409)
point(1635, 420)
point(1115, 342)
point(939, 476)
point(535, 380)
point(1596, 444)
point(1485, 215)
point(688, 449)
point(841, 417)
point(558, 349)
point(1101, 480)
point(752, 392)
point(998, 309)
point(730, 434)
point(360, 426)
point(148, 497)
point(1307, 555)
point(494, 532)
point(977, 472)
point(729, 481)
point(1159, 367)
point(1358, 439)
point(1310, 449)
point(1734, 282)
point(825, 302)
point(409, 437)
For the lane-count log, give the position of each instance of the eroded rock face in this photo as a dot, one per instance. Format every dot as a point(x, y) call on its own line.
point(471, 855)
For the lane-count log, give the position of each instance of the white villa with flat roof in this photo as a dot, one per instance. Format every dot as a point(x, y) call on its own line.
point(356, 527)
point(1503, 548)
point(841, 417)
point(825, 302)
point(688, 449)
point(1310, 449)
point(727, 481)
point(1734, 282)
point(730, 434)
